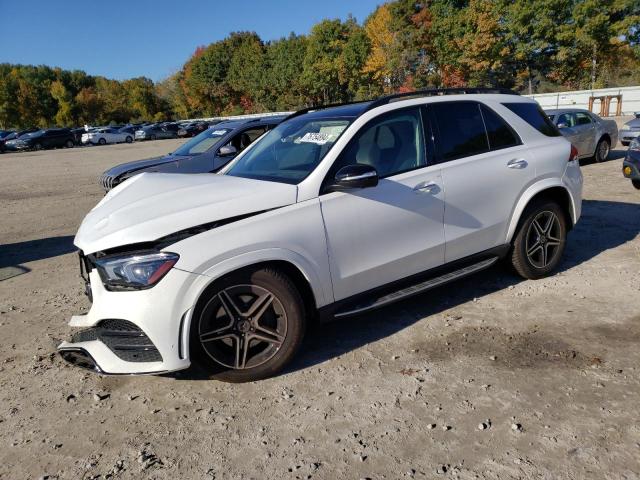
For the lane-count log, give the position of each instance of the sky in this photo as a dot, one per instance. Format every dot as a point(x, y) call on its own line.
point(130, 38)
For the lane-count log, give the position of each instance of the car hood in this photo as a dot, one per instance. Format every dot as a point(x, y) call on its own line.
point(140, 164)
point(632, 123)
point(150, 206)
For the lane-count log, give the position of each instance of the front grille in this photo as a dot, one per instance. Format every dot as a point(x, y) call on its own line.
point(123, 338)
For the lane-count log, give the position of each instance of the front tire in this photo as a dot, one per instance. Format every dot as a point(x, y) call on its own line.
point(37, 146)
point(602, 150)
point(102, 141)
point(69, 144)
point(247, 326)
point(128, 139)
point(540, 240)
point(636, 183)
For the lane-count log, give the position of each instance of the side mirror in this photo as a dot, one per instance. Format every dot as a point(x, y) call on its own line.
point(563, 125)
point(355, 176)
point(227, 151)
point(636, 114)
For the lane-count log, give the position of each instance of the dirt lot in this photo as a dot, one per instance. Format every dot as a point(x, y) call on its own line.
point(492, 377)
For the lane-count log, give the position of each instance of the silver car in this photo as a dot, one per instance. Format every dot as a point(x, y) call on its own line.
point(630, 130)
point(590, 134)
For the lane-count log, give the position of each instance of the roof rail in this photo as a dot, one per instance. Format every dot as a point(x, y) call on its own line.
point(322, 107)
point(435, 92)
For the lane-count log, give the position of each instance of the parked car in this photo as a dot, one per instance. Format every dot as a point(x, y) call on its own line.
point(102, 136)
point(41, 139)
point(630, 130)
point(631, 163)
point(157, 131)
point(4, 134)
point(335, 212)
point(207, 152)
point(15, 135)
point(192, 129)
point(591, 135)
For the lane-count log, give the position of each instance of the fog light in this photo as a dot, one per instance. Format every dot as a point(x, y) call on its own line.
point(626, 170)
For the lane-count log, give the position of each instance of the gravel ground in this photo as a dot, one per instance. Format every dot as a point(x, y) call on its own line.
point(491, 377)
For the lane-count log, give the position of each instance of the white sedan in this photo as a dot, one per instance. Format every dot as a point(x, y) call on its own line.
point(102, 136)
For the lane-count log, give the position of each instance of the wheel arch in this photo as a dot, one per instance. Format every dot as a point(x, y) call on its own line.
point(551, 190)
point(605, 136)
point(301, 272)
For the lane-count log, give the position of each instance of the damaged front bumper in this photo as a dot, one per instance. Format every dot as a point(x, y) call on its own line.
point(135, 332)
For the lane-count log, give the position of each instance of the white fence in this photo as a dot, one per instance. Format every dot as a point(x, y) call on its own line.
point(580, 99)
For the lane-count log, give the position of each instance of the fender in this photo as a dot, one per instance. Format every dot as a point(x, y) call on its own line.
point(531, 192)
point(322, 292)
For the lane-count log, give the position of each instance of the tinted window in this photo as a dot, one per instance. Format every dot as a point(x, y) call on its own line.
point(583, 118)
point(459, 129)
point(246, 138)
point(534, 116)
point(392, 143)
point(499, 133)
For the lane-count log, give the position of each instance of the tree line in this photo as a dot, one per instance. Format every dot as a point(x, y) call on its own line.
point(529, 46)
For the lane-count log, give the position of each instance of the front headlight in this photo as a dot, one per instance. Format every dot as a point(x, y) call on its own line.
point(134, 271)
point(635, 144)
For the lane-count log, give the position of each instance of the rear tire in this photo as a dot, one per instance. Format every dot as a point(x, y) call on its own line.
point(247, 326)
point(636, 183)
point(540, 240)
point(602, 150)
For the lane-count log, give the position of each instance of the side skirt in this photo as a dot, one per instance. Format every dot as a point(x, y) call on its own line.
point(411, 286)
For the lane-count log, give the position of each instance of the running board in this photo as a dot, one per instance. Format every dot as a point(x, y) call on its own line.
point(417, 288)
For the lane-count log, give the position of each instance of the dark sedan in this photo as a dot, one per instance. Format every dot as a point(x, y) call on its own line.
point(4, 136)
point(157, 131)
point(207, 152)
point(41, 139)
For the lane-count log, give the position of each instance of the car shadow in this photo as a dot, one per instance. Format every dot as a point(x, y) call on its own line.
point(604, 225)
point(14, 254)
point(613, 155)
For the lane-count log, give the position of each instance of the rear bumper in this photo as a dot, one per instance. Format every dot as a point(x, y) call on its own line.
point(573, 181)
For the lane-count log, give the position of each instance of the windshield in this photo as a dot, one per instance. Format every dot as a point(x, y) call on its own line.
point(291, 151)
point(202, 142)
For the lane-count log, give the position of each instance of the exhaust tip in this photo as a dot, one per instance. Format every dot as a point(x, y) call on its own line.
point(79, 357)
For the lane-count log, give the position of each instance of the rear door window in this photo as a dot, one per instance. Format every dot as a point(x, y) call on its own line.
point(459, 130)
point(567, 120)
point(534, 116)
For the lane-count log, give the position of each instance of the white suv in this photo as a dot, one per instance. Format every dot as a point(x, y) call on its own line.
point(335, 212)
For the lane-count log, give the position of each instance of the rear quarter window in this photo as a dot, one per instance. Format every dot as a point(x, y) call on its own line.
point(534, 116)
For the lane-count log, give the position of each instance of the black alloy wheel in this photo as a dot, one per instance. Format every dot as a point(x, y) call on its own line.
point(247, 326)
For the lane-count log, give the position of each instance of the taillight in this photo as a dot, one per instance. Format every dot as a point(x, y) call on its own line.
point(574, 154)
